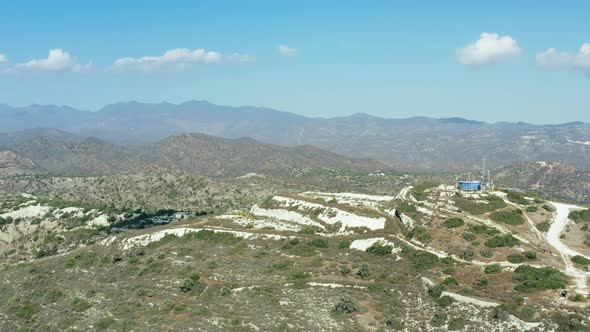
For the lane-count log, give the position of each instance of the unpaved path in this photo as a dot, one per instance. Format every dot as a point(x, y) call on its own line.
point(560, 221)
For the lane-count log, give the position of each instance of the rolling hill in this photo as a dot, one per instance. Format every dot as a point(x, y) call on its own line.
point(192, 153)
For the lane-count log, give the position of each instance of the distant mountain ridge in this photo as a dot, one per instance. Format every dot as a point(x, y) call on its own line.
point(412, 143)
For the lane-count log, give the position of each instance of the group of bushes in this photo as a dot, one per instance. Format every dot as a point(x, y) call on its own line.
point(520, 258)
point(513, 217)
point(380, 249)
point(499, 241)
point(420, 260)
point(530, 278)
point(476, 208)
point(581, 215)
point(517, 198)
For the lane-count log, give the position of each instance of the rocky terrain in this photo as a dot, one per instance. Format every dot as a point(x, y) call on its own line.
point(298, 260)
point(554, 179)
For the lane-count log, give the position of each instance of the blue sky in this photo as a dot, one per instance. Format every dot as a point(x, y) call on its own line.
point(386, 58)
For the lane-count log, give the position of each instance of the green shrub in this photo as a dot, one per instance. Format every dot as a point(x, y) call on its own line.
point(378, 248)
point(548, 208)
point(282, 265)
point(531, 209)
point(454, 222)
point(469, 236)
point(582, 215)
point(344, 244)
point(104, 323)
point(376, 287)
point(28, 310)
point(439, 319)
point(435, 291)
point(513, 217)
point(486, 253)
point(364, 271)
point(70, 262)
point(502, 241)
point(477, 208)
point(450, 281)
point(530, 278)
point(456, 324)
point(478, 229)
point(532, 255)
point(422, 260)
point(345, 270)
point(492, 232)
point(491, 269)
point(543, 226)
point(517, 198)
point(318, 243)
point(405, 207)
point(419, 233)
point(516, 258)
point(570, 322)
point(419, 190)
point(445, 301)
point(580, 260)
point(80, 305)
point(578, 298)
point(483, 282)
point(346, 305)
point(307, 230)
point(394, 324)
point(187, 285)
point(448, 270)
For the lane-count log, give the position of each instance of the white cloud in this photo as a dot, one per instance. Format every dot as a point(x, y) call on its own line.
point(491, 48)
point(3, 58)
point(171, 59)
point(241, 58)
point(579, 61)
point(287, 51)
point(57, 60)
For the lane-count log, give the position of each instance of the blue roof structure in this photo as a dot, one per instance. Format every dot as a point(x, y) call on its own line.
point(470, 185)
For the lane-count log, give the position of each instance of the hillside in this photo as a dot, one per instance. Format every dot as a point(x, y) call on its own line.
point(316, 260)
point(193, 153)
point(413, 143)
point(554, 179)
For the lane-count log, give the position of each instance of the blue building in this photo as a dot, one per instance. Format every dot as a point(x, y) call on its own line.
point(470, 185)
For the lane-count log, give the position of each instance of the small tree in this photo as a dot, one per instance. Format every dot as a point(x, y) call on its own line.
point(346, 305)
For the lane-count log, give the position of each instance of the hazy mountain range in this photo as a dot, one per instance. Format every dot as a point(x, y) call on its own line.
point(413, 143)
